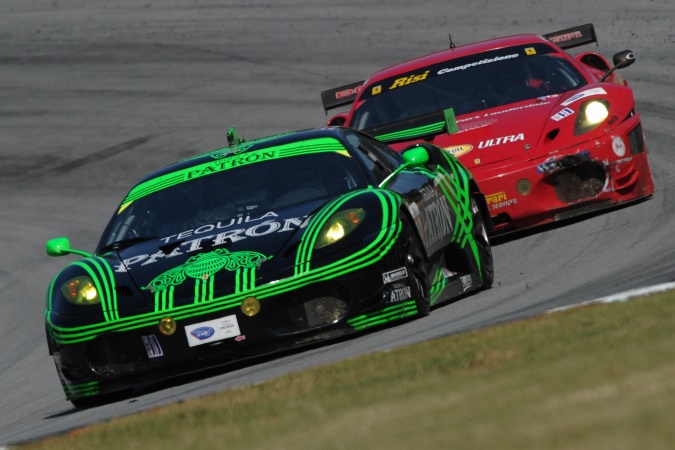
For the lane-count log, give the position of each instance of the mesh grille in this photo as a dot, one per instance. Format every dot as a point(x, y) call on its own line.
point(324, 311)
point(577, 183)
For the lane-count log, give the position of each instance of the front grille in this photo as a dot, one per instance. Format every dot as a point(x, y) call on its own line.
point(117, 354)
point(318, 312)
point(579, 182)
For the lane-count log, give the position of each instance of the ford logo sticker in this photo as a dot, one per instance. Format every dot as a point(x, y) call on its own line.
point(202, 333)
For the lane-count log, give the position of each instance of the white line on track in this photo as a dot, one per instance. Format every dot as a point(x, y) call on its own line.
point(620, 297)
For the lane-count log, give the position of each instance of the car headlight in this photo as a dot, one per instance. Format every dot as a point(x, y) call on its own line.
point(591, 114)
point(339, 225)
point(80, 291)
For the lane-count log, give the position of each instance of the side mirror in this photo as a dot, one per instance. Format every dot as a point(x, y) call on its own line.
point(413, 156)
point(620, 60)
point(61, 246)
point(416, 155)
point(623, 59)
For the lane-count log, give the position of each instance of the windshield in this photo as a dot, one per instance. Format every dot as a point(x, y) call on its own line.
point(468, 85)
point(228, 196)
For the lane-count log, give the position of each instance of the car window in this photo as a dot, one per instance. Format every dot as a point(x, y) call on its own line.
point(223, 198)
point(377, 157)
point(467, 85)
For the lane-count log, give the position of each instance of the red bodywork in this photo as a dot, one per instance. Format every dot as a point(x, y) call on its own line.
point(534, 142)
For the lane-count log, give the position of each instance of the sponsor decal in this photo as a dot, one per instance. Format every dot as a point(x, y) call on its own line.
point(474, 125)
point(566, 37)
point(499, 200)
point(547, 166)
point(400, 293)
point(618, 146)
point(394, 275)
point(583, 94)
point(562, 114)
point(409, 79)
point(477, 63)
point(518, 108)
point(348, 92)
point(466, 282)
point(202, 333)
point(459, 150)
point(621, 161)
point(235, 160)
point(204, 265)
point(504, 204)
point(530, 51)
point(377, 90)
point(240, 338)
point(494, 198)
point(152, 347)
point(212, 330)
point(551, 164)
point(502, 140)
point(266, 224)
point(435, 217)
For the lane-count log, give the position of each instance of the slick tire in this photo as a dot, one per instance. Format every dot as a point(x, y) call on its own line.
point(415, 265)
point(480, 235)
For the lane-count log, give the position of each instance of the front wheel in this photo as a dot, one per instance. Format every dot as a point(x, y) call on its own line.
point(480, 235)
point(415, 265)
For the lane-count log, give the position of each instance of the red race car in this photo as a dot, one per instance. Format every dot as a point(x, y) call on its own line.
point(547, 135)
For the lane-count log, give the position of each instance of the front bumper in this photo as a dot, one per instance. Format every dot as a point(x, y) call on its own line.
point(581, 179)
point(122, 360)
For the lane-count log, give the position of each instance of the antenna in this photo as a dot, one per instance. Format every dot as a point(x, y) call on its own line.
point(452, 44)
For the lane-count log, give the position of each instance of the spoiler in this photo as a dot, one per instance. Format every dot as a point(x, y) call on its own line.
point(340, 96)
point(573, 37)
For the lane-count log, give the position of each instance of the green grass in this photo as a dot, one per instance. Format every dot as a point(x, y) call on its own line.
point(598, 377)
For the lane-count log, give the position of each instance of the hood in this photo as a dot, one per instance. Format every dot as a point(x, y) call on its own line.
point(527, 129)
point(500, 134)
point(222, 254)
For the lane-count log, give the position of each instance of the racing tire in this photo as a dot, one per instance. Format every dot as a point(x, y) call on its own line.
point(482, 240)
point(415, 265)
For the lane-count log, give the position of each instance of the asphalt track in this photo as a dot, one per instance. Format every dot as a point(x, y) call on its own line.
point(94, 94)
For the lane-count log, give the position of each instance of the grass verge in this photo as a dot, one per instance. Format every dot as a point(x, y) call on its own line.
point(600, 377)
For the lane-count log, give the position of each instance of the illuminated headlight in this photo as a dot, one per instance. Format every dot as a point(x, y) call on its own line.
point(591, 114)
point(80, 291)
point(339, 225)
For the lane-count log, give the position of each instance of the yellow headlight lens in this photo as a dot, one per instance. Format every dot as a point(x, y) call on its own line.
point(339, 225)
point(335, 232)
point(80, 291)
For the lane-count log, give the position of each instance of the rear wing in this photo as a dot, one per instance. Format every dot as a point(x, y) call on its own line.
point(340, 96)
point(573, 37)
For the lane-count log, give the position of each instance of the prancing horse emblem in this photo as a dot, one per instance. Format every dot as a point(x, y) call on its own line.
point(204, 265)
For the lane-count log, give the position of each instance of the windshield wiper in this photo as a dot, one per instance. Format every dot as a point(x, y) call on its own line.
point(124, 243)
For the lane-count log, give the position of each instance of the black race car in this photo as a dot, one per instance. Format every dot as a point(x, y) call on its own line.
point(262, 246)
